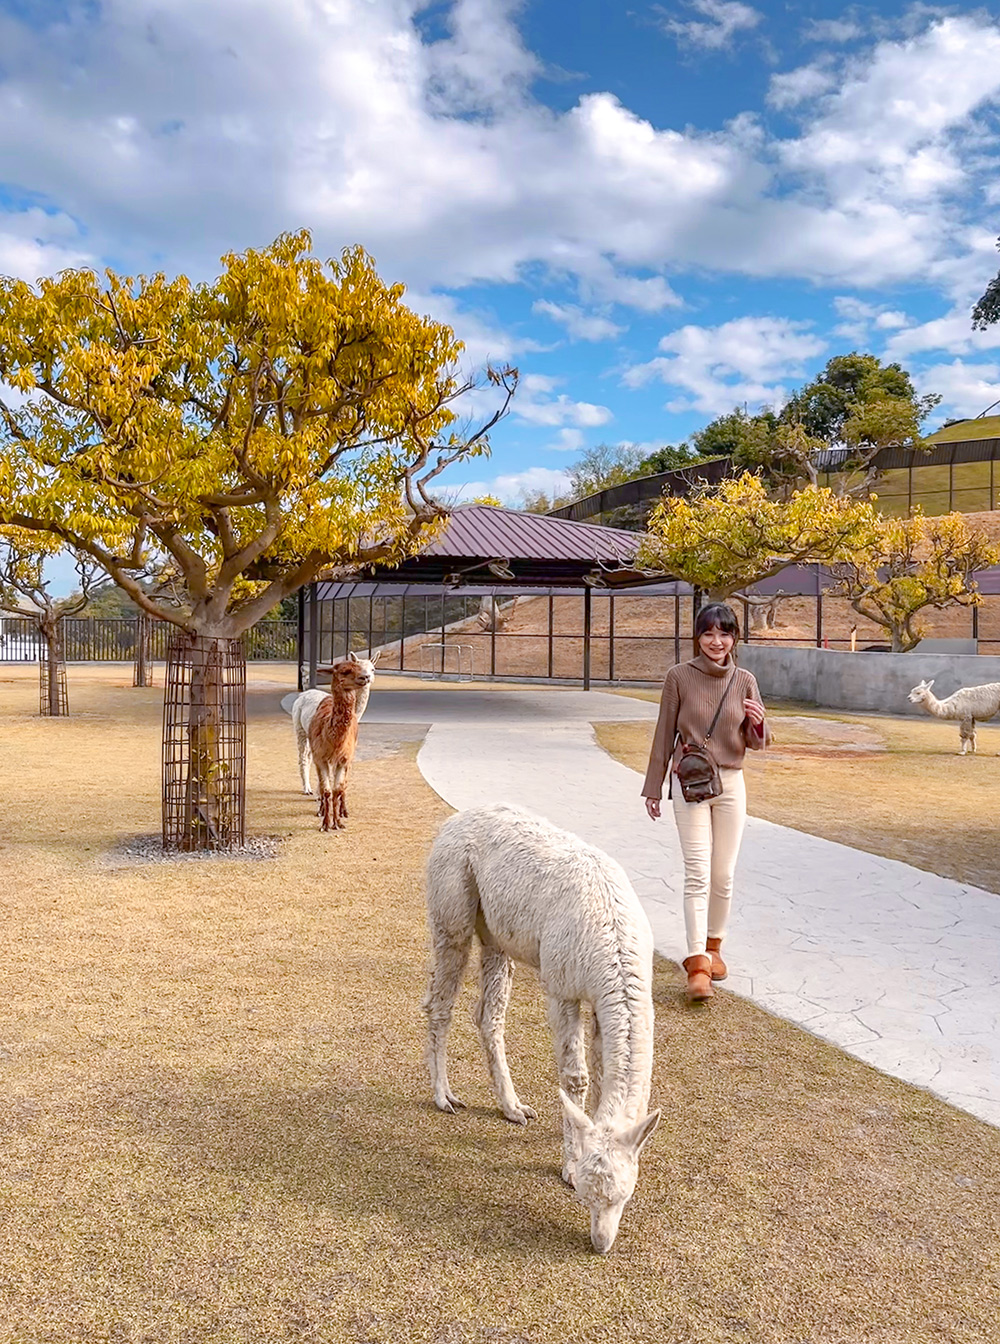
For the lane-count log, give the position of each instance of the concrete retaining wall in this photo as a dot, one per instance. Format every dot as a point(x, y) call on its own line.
point(879, 682)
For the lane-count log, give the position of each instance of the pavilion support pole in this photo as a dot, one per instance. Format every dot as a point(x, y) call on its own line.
point(313, 634)
point(677, 626)
point(552, 602)
point(442, 632)
point(300, 646)
point(611, 637)
point(587, 620)
point(371, 621)
point(493, 634)
point(975, 626)
point(402, 631)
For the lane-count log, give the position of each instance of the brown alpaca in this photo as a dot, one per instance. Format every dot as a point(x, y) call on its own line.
point(333, 736)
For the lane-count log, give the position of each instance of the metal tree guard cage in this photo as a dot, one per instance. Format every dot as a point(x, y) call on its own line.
point(53, 699)
point(204, 744)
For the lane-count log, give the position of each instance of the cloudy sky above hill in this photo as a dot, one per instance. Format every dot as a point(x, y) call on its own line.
point(656, 210)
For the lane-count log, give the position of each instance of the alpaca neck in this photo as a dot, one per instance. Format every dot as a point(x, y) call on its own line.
point(626, 1027)
point(939, 708)
point(340, 714)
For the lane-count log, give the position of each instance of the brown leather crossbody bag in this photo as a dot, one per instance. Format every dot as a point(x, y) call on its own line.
point(697, 770)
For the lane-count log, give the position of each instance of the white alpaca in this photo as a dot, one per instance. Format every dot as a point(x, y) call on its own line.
point(539, 895)
point(304, 707)
point(967, 705)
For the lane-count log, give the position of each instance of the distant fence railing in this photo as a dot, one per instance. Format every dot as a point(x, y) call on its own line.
point(113, 640)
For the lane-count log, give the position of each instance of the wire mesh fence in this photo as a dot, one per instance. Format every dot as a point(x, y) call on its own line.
point(629, 637)
point(204, 744)
point(113, 639)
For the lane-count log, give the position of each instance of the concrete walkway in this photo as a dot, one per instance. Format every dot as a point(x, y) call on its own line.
point(894, 965)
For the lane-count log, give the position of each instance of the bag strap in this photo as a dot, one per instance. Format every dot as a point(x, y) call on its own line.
point(722, 701)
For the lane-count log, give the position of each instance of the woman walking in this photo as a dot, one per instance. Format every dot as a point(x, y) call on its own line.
point(710, 689)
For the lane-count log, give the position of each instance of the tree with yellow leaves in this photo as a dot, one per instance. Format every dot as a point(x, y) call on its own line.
point(912, 564)
point(725, 539)
point(24, 593)
point(240, 435)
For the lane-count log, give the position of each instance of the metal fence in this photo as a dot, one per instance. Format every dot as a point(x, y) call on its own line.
point(113, 640)
point(600, 636)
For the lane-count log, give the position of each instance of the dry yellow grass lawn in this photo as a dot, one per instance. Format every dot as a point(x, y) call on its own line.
point(914, 800)
point(217, 1126)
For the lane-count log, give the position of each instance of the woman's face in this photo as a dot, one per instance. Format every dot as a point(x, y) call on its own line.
point(715, 644)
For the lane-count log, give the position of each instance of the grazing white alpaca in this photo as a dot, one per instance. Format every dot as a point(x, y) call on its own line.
point(967, 705)
point(539, 895)
point(304, 707)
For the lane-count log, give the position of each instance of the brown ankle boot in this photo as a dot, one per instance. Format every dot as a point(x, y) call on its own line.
point(719, 969)
point(699, 974)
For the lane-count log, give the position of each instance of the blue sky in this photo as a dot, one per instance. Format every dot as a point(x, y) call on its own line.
point(657, 211)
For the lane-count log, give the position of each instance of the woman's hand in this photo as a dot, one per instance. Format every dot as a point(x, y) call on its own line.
point(754, 711)
point(653, 808)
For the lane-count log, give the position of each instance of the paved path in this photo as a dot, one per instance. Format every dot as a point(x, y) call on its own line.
point(894, 965)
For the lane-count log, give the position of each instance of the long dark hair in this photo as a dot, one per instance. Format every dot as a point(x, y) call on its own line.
point(716, 614)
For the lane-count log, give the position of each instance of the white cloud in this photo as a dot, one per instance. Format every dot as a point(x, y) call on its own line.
point(844, 29)
point(859, 319)
point(34, 243)
point(581, 326)
point(745, 360)
point(952, 333)
point(173, 133)
point(535, 404)
point(966, 389)
point(720, 22)
point(888, 131)
point(801, 85)
point(512, 487)
point(567, 441)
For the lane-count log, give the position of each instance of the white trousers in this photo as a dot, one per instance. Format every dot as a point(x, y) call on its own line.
point(710, 835)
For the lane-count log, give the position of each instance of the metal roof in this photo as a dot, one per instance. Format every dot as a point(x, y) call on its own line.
point(483, 530)
point(487, 546)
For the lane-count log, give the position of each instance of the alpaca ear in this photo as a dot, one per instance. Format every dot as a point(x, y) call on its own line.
point(579, 1119)
point(637, 1137)
point(351, 657)
point(929, 684)
point(378, 655)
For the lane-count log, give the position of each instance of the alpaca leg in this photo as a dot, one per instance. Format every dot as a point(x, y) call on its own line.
point(967, 734)
point(497, 980)
point(305, 759)
point(596, 1061)
point(450, 959)
point(566, 1025)
point(325, 795)
point(340, 795)
point(452, 906)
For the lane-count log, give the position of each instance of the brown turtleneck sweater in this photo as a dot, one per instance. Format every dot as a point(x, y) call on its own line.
point(691, 695)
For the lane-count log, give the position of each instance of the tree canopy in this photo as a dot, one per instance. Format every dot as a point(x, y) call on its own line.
point(724, 540)
point(987, 308)
point(856, 403)
point(241, 435)
point(912, 564)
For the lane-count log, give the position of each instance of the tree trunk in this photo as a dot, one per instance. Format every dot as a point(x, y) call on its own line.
point(204, 755)
point(141, 673)
point(53, 704)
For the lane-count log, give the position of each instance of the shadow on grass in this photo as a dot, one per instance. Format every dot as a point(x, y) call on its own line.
point(472, 1180)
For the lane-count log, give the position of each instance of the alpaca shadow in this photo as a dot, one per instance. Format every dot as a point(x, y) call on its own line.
point(356, 1153)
